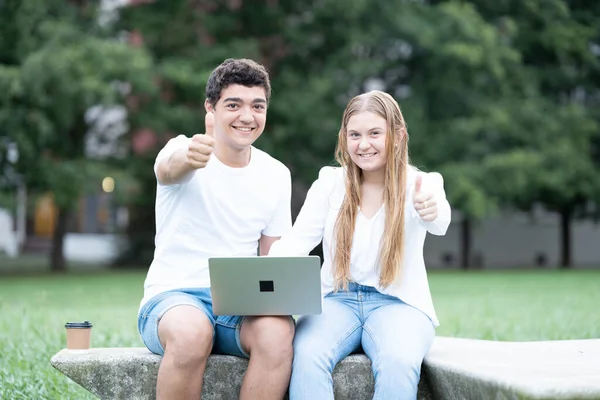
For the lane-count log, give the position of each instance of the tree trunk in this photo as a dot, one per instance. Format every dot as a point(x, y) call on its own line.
point(565, 238)
point(465, 243)
point(57, 257)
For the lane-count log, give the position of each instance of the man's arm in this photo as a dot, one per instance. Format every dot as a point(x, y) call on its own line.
point(178, 166)
point(265, 242)
point(281, 221)
point(174, 169)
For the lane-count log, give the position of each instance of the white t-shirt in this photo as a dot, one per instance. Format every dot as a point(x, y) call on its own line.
point(317, 220)
point(219, 211)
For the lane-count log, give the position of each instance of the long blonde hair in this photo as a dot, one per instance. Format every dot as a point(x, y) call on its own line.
point(396, 148)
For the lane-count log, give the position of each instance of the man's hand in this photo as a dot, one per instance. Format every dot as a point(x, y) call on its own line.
point(202, 145)
point(424, 202)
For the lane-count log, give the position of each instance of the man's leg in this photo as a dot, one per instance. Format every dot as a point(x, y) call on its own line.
point(184, 336)
point(268, 341)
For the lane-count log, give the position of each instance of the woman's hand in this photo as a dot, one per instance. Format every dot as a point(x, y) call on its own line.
point(424, 202)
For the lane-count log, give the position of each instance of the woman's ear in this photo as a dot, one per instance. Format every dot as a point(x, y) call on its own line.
point(400, 138)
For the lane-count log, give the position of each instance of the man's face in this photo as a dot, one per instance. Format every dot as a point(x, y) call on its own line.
point(240, 115)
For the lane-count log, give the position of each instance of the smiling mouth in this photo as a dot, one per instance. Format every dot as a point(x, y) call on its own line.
point(244, 129)
point(367, 155)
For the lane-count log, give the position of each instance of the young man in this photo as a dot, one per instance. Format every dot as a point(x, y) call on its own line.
point(217, 195)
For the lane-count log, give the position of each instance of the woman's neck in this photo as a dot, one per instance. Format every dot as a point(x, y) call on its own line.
point(374, 178)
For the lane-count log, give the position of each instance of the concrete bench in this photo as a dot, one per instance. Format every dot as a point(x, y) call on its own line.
point(454, 369)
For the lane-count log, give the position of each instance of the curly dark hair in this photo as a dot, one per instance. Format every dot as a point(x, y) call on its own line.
point(237, 72)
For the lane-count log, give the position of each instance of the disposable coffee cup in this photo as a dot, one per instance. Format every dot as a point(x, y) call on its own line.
point(79, 336)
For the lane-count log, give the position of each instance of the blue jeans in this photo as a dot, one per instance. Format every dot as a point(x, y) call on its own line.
point(395, 336)
point(226, 329)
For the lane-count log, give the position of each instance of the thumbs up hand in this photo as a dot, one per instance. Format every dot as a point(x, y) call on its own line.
point(202, 145)
point(424, 202)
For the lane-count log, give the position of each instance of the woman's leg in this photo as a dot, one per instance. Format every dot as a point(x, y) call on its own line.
point(396, 337)
point(321, 341)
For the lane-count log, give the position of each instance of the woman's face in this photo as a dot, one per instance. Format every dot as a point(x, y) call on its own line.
point(366, 137)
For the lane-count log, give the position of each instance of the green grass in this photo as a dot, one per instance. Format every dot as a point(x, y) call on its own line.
point(518, 305)
point(38, 263)
point(33, 312)
point(507, 305)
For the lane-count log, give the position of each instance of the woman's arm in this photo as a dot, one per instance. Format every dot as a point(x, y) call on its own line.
point(307, 231)
point(434, 183)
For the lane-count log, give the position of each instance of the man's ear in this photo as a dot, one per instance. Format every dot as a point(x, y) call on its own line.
point(208, 107)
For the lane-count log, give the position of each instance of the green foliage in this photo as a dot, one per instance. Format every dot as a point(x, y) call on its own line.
point(47, 89)
point(8, 200)
point(489, 89)
point(56, 63)
point(500, 97)
point(557, 116)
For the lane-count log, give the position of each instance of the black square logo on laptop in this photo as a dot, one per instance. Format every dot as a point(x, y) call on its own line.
point(266, 286)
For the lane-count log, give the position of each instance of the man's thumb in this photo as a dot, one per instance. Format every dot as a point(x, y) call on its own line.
point(209, 124)
point(418, 183)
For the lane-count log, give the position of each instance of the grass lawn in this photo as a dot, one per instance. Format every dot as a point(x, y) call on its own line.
point(506, 305)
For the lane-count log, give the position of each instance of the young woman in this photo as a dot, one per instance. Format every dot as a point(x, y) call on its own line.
point(372, 214)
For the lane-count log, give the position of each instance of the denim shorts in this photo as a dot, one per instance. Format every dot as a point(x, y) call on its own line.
point(226, 329)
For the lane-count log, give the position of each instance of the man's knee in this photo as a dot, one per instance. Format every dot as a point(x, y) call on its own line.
point(186, 334)
point(271, 337)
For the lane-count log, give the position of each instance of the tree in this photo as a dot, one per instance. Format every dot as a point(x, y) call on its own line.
point(320, 54)
point(305, 46)
point(55, 64)
point(555, 157)
point(452, 73)
point(462, 72)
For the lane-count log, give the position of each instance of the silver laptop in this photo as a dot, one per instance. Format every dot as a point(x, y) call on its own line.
point(265, 285)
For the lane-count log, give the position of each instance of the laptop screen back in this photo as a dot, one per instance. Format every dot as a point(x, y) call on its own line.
point(265, 285)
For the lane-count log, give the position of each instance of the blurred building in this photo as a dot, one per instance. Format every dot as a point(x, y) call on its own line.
point(516, 240)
